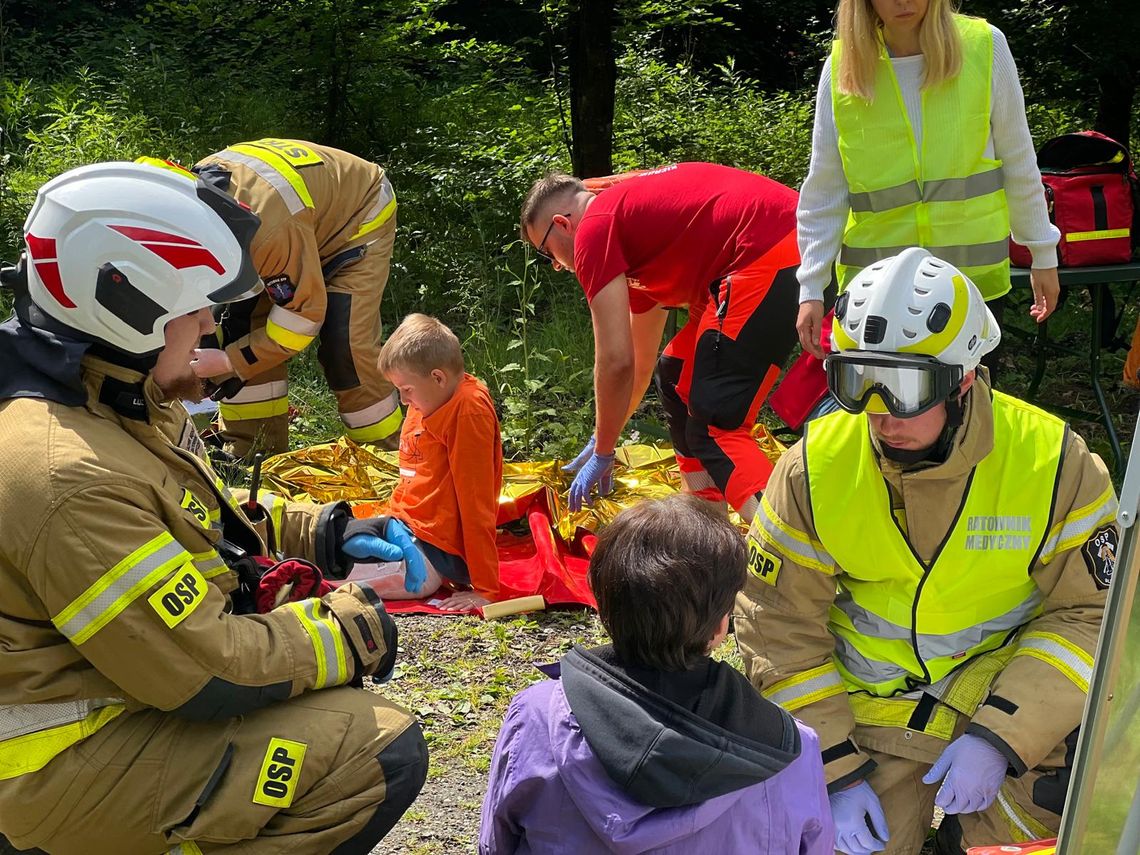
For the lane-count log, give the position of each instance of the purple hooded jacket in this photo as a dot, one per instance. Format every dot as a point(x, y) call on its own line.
point(716, 769)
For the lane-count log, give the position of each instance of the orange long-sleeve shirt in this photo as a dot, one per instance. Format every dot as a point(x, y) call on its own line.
point(451, 471)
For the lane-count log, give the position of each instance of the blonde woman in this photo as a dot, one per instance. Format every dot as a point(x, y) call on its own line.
point(920, 139)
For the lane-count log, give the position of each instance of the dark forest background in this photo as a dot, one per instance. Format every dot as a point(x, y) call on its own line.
point(465, 103)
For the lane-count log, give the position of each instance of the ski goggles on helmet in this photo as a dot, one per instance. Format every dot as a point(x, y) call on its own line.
point(900, 384)
point(244, 224)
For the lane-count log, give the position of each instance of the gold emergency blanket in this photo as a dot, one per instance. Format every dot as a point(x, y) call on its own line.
point(343, 470)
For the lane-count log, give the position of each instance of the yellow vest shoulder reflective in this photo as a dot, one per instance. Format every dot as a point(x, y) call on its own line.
point(949, 197)
point(899, 623)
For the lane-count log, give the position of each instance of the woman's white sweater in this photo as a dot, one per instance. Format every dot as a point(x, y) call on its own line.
point(823, 207)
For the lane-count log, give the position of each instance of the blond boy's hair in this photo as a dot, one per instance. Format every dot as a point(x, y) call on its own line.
point(421, 344)
point(858, 29)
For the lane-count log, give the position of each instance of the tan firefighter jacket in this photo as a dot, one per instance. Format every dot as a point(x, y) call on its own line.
point(113, 596)
point(1024, 698)
point(319, 207)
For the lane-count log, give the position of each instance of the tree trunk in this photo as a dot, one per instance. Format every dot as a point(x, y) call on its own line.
point(1114, 109)
point(593, 78)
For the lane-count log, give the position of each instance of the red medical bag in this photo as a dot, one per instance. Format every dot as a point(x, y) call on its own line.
point(1091, 192)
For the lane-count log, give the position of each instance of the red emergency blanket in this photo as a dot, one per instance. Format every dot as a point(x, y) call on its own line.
point(535, 562)
point(544, 548)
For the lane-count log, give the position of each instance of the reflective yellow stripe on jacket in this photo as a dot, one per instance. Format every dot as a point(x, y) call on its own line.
point(381, 211)
point(899, 624)
point(120, 586)
point(277, 167)
point(949, 197)
point(374, 423)
point(31, 735)
point(806, 688)
point(327, 640)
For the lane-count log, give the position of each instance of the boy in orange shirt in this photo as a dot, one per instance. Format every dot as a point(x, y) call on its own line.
point(451, 467)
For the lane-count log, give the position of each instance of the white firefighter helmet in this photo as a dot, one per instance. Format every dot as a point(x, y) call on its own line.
point(906, 331)
point(115, 250)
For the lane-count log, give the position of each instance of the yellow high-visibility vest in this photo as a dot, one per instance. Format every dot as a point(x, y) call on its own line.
point(898, 623)
point(949, 197)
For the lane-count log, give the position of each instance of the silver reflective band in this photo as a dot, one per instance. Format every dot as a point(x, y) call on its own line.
point(878, 201)
point(384, 197)
point(279, 182)
point(942, 190)
point(21, 719)
point(804, 552)
point(971, 255)
point(961, 189)
point(372, 414)
point(294, 321)
point(931, 646)
point(800, 690)
point(1083, 526)
point(862, 668)
point(327, 643)
point(1082, 669)
point(258, 392)
point(120, 591)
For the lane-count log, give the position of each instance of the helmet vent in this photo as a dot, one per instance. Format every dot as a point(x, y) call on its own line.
point(874, 329)
point(928, 274)
point(914, 311)
point(911, 334)
point(922, 292)
point(938, 318)
point(933, 262)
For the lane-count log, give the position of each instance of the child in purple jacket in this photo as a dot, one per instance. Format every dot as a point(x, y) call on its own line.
point(648, 744)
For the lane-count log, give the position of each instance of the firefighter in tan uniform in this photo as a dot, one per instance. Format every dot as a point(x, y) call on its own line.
point(139, 713)
point(328, 223)
point(928, 575)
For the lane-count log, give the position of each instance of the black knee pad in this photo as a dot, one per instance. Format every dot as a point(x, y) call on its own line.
point(405, 765)
point(335, 350)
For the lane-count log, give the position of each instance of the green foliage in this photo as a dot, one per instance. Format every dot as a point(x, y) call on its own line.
point(463, 113)
point(670, 112)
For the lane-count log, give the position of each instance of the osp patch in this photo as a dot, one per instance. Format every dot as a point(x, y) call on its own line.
point(280, 289)
point(1099, 552)
point(763, 564)
point(277, 783)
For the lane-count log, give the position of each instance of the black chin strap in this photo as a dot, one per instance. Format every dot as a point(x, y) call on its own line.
point(937, 453)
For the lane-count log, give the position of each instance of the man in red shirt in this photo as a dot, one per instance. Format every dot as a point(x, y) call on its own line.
point(716, 240)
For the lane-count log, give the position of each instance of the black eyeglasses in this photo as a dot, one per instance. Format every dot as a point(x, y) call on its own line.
point(542, 243)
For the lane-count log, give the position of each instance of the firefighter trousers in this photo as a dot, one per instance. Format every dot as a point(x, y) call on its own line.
point(1027, 807)
point(257, 417)
point(326, 772)
point(716, 372)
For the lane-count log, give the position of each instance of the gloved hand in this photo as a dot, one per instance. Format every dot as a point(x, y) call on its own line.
point(850, 809)
point(290, 581)
point(971, 771)
point(593, 470)
point(386, 539)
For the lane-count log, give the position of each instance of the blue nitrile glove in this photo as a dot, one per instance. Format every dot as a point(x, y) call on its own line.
point(415, 571)
point(594, 470)
point(398, 544)
point(850, 809)
point(971, 771)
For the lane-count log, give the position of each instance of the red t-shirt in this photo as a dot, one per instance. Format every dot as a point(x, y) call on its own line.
point(674, 231)
point(451, 471)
